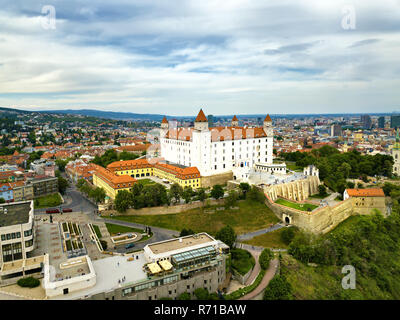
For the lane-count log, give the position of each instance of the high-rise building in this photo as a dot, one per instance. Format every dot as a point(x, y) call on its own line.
point(336, 130)
point(366, 121)
point(210, 120)
point(381, 122)
point(395, 121)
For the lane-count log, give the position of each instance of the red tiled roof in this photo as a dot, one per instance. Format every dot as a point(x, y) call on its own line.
point(113, 179)
point(218, 133)
point(201, 117)
point(235, 118)
point(164, 120)
point(267, 118)
point(372, 192)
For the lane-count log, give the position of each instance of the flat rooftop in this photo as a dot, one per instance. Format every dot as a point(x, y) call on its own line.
point(176, 244)
point(12, 214)
point(109, 271)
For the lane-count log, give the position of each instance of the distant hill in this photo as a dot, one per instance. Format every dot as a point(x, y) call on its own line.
point(109, 114)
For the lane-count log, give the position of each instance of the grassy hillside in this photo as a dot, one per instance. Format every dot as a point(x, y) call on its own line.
point(369, 243)
point(250, 216)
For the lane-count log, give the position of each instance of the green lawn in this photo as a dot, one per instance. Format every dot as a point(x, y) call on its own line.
point(113, 229)
point(294, 167)
point(298, 206)
point(242, 261)
point(52, 200)
point(268, 240)
point(97, 230)
point(146, 181)
point(250, 216)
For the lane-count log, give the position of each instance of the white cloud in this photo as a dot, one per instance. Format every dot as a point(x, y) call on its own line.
point(229, 56)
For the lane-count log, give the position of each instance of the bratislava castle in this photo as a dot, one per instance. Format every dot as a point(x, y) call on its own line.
point(218, 149)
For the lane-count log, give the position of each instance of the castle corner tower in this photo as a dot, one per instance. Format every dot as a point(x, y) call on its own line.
point(201, 122)
point(268, 126)
point(235, 122)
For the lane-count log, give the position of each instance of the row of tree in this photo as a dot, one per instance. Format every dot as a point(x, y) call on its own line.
point(96, 194)
point(335, 167)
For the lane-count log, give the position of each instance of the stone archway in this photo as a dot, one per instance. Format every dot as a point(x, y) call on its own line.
point(287, 219)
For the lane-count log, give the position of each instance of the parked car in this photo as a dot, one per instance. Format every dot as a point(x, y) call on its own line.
point(53, 210)
point(129, 245)
point(66, 210)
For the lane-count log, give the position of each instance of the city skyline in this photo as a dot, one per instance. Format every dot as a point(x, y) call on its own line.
point(140, 57)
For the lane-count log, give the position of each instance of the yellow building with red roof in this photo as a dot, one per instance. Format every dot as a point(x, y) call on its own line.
point(111, 182)
point(142, 168)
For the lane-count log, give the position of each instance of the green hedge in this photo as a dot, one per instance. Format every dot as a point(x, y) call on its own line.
point(29, 282)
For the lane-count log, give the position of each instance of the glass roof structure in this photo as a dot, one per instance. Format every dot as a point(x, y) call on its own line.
point(193, 254)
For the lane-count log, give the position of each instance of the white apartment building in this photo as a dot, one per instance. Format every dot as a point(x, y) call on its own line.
point(219, 149)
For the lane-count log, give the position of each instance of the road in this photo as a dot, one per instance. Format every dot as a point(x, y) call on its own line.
point(76, 201)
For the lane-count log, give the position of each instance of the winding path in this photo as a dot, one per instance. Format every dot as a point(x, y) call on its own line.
point(273, 267)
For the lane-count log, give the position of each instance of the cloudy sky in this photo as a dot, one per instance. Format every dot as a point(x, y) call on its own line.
point(174, 56)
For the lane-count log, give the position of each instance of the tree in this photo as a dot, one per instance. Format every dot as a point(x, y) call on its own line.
point(227, 235)
point(244, 188)
point(123, 200)
point(322, 190)
point(201, 294)
point(287, 234)
point(61, 164)
point(256, 195)
point(184, 296)
point(186, 232)
point(217, 191)
point(2, 200)
point(98, 194)
point(187, 194)
point(62, 184)
point(176, 192)
point(231, 199)
point(265, 258)
point(201, 194)
point(278, 289)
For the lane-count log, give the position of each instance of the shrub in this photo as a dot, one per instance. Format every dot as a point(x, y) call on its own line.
point(184, 296)
point(29, 282)
point(265, 258)
point(278, 289)
point(287, 234)
point(104, 244)
point(201, 294)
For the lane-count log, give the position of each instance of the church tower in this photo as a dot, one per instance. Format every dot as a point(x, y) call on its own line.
point(235, 122)
point(396, 155)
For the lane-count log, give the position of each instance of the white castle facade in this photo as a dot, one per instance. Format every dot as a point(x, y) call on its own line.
point(218, 150)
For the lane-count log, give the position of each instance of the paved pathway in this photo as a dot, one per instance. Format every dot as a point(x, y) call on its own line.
point(273, 267)
point(250, 235)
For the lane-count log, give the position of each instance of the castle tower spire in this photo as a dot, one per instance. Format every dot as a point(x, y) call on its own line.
point(235, 121)
point(201, 122)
